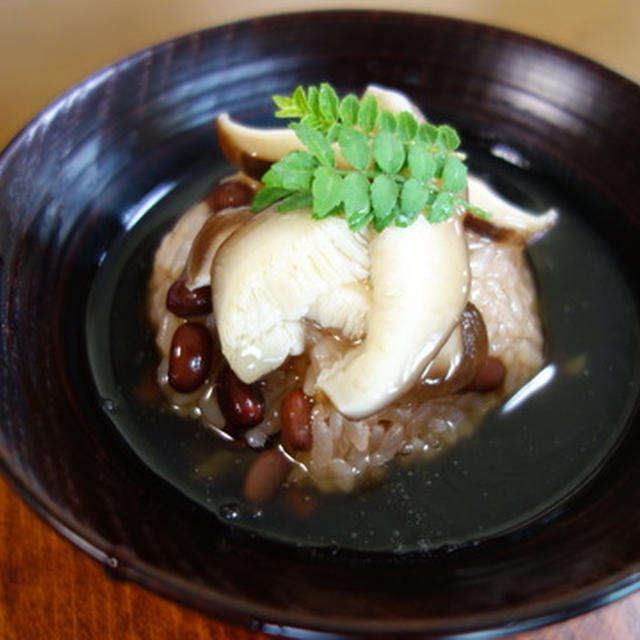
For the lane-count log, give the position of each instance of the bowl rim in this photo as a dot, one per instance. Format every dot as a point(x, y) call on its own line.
point(100, 74)
point(266, 618)
point(270, 620)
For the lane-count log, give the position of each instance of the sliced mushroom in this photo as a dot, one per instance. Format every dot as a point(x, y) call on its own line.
point(344, 307)
point(173, 251)
point(270, 273)
point(459, 360)
point(507, 222)
point(254, 149)
point(169, 260)
point(206, 244)
point(420, 283)
point(393, 101)
point(490, 376)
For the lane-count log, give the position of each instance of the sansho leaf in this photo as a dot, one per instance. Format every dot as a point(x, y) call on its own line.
point(326, 190)
point(313, 96)
point(384, 195)
point(328, 102)
point(317, 144)
point(441, 208)
point(388, 152)
point(297, 200)
point(268, 196)
point(476, 211)
point(398, 167)
point(354, 146)
point(428, 132)
point(311, 120)
point(349, 107)
point(421, 162)
point(333, 132)
point(293, 172)
point(355, 195)
point(381, 223)
point(357, 221)
point(449, 137)
point(454, 175)
point(287, 108)
point(299, 98)
point(282, 101)
point(407, 126)
point(387, 121)
point(368, 113)
point(412, 198)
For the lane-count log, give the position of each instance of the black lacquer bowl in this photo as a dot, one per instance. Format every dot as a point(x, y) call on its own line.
point(134, 143)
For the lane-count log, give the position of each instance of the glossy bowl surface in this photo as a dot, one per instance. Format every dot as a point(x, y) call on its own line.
point(87, 170)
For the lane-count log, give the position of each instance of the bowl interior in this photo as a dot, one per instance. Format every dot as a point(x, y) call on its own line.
point(117, 158)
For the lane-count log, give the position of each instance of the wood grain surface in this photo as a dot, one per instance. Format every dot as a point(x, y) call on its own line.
point(48, 588)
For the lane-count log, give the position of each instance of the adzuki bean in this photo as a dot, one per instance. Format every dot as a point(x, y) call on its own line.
point(490, 376)
point(185, 302)
point(232, 193)
point(300, 502)
point(265, 476)
point(190, 356)
point(241, 404)
point(295, 419)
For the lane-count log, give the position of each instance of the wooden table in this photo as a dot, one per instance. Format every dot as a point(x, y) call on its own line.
point(49, 589)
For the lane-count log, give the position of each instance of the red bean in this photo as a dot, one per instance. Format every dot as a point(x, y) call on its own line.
point(295, 418)
point(232, 193)
point(147, 390)
point(241, 404)
point(265, 476)
point(490, 376)
point(185, 302)
point(190, 356)
point(300, 502)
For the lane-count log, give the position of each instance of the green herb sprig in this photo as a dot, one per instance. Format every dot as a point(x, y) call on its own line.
point(398, 167)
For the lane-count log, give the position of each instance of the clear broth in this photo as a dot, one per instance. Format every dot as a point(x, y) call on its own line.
point(523, 464)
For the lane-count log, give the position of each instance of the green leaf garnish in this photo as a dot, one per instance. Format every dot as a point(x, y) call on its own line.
point(368, 114)
point(268, 196)
point(388, 152)
point(356, 197)
point(407, 126)
point(412, 200)
point(349, 108)
point(316, 142)
point(454, 175)
point(294, 172)
point(397, 168)
point(328, 102)
point(422, 163)
point(449, 136)
point(441, 207)
point(384, 195)
point(387, 121)
point(428, 132)
point(327, 191)
point(354, 146)
point(296, 200)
